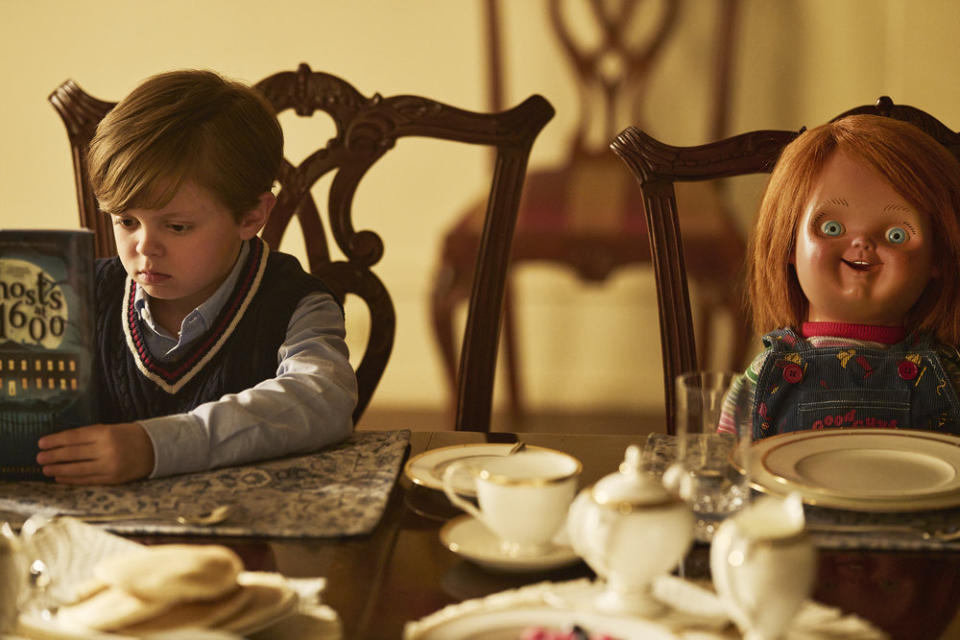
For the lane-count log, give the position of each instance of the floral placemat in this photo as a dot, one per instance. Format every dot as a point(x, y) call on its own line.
point(660, 450)
point(339, 491)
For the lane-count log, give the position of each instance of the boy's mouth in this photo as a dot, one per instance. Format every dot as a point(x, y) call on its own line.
point(152, 277)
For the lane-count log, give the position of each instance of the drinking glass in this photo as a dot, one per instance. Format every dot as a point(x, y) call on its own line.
point(711, 471)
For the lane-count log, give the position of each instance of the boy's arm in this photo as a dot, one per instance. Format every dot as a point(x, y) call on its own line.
point(309, 404)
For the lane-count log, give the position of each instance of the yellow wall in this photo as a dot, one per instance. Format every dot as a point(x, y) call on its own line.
point(799, 62)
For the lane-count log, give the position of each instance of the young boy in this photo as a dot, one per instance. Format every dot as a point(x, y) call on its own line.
point(212, 350)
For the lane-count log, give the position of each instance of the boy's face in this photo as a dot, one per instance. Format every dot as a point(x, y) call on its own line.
point(182, 252)
point(863, 254)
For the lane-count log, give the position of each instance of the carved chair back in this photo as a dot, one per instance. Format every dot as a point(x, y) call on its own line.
point(658, 167)
point(612, 73)
point(366, 129)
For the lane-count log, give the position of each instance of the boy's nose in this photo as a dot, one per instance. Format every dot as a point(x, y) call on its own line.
point(147, 245)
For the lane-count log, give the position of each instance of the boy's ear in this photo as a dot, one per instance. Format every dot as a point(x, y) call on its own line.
point(254, 220)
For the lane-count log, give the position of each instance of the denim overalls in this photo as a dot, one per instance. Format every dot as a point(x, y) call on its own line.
point(802, 387)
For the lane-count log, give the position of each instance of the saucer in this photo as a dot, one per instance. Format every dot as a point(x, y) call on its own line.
point(468, 537)
point(427, 468)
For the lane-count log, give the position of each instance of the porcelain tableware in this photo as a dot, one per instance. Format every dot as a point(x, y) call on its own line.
point(523, 498)
point(426, 469)
point(764, 565)
point(872, 470)
point(553, 608)
point(469, 538)
point(630, 530)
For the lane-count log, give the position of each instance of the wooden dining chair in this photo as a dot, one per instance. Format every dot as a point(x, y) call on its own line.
point(366, 129)
point(659, 167)
point(585, 214)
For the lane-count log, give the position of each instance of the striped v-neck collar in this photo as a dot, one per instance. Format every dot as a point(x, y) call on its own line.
point(172, 376)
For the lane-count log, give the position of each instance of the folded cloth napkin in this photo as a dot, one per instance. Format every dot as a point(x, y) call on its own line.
point(94, 579)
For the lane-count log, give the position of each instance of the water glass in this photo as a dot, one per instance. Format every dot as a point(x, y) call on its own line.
point(711, 468)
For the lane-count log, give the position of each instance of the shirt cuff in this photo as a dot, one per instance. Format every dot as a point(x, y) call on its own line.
point(180, 444)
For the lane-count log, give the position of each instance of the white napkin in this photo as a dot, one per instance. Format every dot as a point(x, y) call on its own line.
point(71, 548)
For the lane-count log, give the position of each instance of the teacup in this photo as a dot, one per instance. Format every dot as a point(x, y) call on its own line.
point(523, 498)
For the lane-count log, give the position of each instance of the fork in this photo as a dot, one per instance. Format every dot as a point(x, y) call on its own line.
point(942, 535)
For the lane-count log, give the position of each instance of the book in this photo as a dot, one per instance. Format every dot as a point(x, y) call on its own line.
point(46, 341)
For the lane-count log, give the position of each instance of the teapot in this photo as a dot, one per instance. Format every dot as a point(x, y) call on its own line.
point(629, 529)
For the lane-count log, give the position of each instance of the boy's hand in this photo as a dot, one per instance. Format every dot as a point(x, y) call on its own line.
point(97, 454)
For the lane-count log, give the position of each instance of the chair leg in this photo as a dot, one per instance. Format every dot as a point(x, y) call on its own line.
point(448, 289)
point(739, 336)
point(742, 335)
point(703, 329)
point(512, 357)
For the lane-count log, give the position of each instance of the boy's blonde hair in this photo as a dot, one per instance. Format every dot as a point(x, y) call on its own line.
point(918, 168)
point(186, 125)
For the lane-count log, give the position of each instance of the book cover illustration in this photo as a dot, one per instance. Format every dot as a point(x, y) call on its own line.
point(46, 341)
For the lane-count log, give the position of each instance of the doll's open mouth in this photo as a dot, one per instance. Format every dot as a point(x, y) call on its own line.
point(861, 265)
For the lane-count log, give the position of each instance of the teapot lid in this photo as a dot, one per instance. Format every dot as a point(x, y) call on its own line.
point(631, 487)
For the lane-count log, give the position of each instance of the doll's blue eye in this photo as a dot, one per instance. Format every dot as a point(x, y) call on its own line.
point(897, 235)
point(831, 228)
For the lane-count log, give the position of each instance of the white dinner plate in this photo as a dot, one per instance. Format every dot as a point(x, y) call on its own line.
point(510, 623)
point(554, 606)
point(861, 469)
point(469, 538)
point(426, 469)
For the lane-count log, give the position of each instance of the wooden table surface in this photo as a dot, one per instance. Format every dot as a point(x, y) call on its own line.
point(401, 572)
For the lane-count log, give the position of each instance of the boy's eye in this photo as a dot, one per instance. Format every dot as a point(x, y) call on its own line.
point(897, 235)
point(126, 223)
point(179, 228)
point(831, 228)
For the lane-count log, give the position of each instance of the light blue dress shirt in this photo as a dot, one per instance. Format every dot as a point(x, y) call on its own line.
point(308, 405)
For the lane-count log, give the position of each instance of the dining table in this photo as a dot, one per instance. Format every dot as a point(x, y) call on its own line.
point(400, 571)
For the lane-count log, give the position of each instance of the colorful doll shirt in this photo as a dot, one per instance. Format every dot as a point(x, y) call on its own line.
point(828, 381)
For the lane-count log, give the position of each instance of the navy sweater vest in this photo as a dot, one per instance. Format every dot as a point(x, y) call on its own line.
point(239, 350)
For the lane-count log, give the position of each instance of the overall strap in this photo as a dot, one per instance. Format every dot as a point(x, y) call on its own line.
point(782, 340)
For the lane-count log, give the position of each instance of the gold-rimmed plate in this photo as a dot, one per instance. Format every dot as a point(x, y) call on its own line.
point(861, 469)
point(469, 538)
point(426, 469)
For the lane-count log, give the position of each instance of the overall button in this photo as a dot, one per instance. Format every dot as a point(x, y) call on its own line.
point(792, 373)
point(907, 370)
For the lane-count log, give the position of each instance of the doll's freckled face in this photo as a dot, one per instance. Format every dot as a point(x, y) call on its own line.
point(863, 254)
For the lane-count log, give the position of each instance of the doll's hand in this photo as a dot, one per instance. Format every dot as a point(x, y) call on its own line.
point(97, 454)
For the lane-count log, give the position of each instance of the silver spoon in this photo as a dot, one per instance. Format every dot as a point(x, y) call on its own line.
point(209, 518)
point(520, 445)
